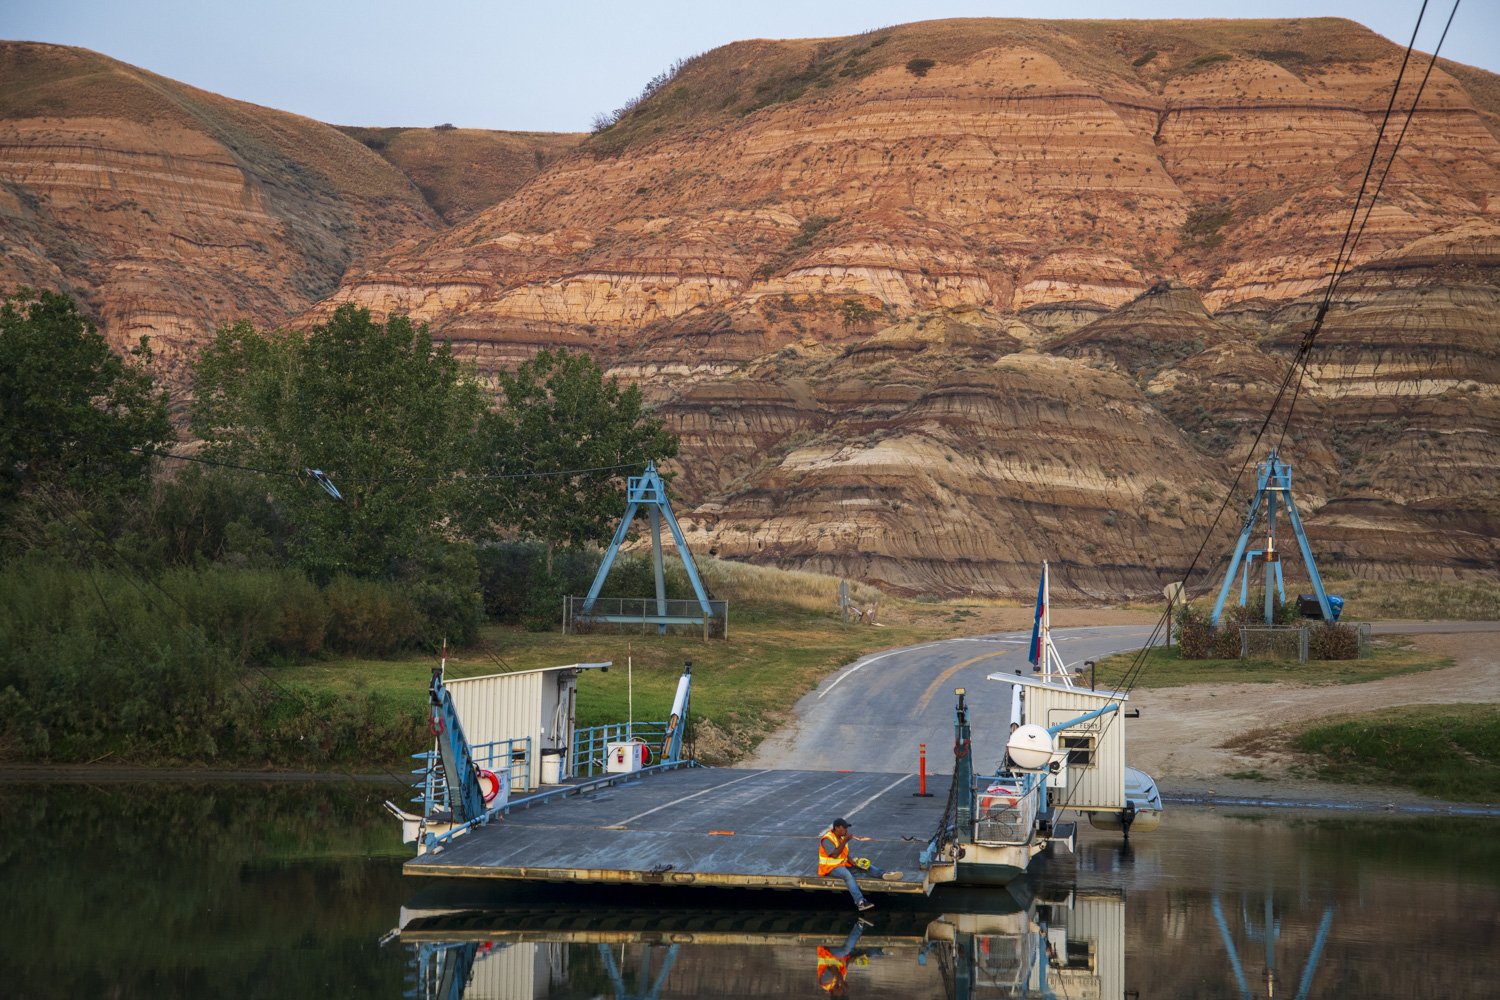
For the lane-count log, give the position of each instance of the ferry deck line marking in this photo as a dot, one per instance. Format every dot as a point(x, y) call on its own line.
point(621, 825)
point(877, 795)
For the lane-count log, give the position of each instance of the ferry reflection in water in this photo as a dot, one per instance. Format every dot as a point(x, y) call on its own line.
point(535, 942)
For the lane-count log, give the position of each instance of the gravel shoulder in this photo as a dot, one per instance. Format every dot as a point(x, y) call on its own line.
point(1201, 734)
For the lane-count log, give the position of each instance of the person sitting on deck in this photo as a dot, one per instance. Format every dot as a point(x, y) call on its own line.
point(833, 859)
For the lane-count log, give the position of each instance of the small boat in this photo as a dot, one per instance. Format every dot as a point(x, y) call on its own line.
point(1142, 812)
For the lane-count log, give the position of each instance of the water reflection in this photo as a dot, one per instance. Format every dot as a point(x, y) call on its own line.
point(1268, 933)
point(1265, 905)
point(480, 943)
point(258, 890)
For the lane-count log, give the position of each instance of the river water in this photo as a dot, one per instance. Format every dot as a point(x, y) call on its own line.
point(294, 890)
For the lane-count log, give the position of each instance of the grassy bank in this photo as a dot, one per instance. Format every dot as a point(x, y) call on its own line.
point(1163, 668)
point(1449, 751)
point(744, 687)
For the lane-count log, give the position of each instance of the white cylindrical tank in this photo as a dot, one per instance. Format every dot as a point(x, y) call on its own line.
point(1030, 747)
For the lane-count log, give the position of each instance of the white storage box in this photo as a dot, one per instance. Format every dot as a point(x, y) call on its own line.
point(625, 758)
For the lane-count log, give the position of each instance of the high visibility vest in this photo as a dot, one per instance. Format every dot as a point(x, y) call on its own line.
point(831, 969)
point(827, 862)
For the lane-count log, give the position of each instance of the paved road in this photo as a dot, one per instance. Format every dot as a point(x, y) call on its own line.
point(871, 715)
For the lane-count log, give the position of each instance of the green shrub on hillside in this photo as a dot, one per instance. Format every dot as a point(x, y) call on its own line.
point(370, 618)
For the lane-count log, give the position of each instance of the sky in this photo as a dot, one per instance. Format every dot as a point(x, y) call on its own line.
point(553, 66)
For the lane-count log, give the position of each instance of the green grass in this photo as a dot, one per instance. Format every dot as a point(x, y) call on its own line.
point(743, 687)
point(1450, 751)
point(1163, 668)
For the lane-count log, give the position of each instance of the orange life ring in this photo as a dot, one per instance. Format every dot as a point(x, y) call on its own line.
point(996, 795)
point(489, 785)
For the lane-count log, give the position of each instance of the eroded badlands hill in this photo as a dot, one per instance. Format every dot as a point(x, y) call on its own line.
point(934, 302)
point(462, 171)
point(169, 211)
point(928, 305)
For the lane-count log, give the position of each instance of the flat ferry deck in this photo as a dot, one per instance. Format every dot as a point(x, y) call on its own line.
point(709, 827)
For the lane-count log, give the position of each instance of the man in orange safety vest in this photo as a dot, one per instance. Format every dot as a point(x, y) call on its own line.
point(833, 859)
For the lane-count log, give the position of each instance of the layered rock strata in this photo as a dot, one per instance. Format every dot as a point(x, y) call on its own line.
point(169, 211)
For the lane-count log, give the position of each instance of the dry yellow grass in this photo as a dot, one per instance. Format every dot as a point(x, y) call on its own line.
point(736, 581)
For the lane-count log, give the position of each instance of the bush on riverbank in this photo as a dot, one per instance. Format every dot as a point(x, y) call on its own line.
point(98, 663)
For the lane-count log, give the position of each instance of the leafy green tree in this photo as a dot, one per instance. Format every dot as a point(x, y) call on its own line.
point(380, 409)
point(558, 414)
point(74, 416)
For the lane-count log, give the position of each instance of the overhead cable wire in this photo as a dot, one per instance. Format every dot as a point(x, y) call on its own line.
point(1293, 376)
point(1341, 263)
point(1340, 272)
point(324, 474)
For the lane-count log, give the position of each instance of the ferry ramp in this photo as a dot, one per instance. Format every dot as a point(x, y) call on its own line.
point(706, 827)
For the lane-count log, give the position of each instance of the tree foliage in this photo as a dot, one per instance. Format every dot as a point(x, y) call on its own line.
point(383, 411)
point(73, 415)
point(557, 414)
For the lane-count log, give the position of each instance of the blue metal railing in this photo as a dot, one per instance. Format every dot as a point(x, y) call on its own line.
point(508, 758)
point(590, 745)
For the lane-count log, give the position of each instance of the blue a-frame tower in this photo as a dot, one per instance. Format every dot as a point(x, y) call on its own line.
point(648, 491)
point(1273, 487)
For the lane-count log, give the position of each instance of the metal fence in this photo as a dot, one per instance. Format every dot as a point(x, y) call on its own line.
point(1282, 642)
point(1003, 813)
point(591, 745)
point(642, 614)
point(508, 757)
point(1274, 642)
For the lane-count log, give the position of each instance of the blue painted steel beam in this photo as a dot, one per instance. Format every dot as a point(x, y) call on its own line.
point(1311, 970)
point(1240, 546)
point(1234, 955)
point(1273, 477)
point(1307, 557)
point(649, 491)
point(963, 772)
point(1086, 717)
point(453, 749)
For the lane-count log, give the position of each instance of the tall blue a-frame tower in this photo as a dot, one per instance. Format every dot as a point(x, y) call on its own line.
point(1273, 488)
point(648, 491)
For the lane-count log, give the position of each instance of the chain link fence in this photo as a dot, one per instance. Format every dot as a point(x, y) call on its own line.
point(1282, 642)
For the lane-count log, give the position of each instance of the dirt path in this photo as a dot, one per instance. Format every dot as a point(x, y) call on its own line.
point(1201, 734)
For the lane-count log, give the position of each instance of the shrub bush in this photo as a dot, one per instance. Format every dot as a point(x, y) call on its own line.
point(1194, 634)
point(506, 573)
point(370, 618)
point(1332, 641)
point(444, 586)
point(92, 663)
